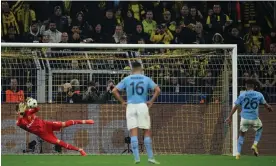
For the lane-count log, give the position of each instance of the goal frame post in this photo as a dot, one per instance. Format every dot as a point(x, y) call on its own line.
point(234, 57)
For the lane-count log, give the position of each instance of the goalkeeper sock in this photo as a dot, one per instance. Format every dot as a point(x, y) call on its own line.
point(73, 122)
point(240, 143)
point(135, 149)
point(148, 144)
point(258, 136)
point(67, 146)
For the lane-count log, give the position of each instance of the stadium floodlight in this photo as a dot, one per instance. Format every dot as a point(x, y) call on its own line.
point(111, 61)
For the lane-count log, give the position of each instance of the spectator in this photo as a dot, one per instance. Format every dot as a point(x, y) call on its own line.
point(255, 50)
point(130, 23)
point(92, 94)
point(149, 24)
point(140, 34)
point(98, 36)
point(184, 18)
point(162, 7)
point(167, 19)
point(33, 36)
point(25, 17)
point(161, 34)
point(109, 23)
point(45, 39)
point(254, 37)
point(53, 33)
point(189, 34)
point(178, 35)
point(64, 38)
point(137, 9)
point(200, 36)
point(175, 85)
point(118, 17)
point(271, 38)
point(14, 95)
point(11, 36)
point(232, 36)
point(195, 15)
point(216, 22)
point(62, 22)
point(75, 38)
point(85, 28)
point(8, 20)
point(217, 39)
point(118, 34)
point(272, 48)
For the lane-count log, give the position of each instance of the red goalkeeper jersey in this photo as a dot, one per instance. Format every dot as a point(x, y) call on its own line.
point(30, 122)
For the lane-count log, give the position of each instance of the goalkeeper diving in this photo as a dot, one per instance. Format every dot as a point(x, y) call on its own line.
point(137, 108)
point(28, 121)
point(249, 102)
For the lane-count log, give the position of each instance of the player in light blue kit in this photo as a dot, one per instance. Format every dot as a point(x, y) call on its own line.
point(249, 101)
point(137, 108)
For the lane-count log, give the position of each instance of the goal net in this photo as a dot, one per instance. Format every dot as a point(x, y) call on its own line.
point(73, 81)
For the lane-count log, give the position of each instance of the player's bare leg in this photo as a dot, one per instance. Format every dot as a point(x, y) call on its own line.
point(70, 147)
point(75, 122)
point(148, 145)
point(134, 144)
point(254, 147)
point(240, 143)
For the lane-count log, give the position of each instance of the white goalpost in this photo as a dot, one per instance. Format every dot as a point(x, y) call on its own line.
point(101, 61)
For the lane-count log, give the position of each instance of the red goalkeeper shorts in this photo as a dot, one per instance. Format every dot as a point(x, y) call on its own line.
point(48, 134)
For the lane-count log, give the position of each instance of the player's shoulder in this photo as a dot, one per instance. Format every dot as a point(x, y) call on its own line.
point(258, 93)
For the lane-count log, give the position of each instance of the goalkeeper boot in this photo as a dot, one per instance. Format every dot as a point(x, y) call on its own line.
point(82, 152)
point(153, 161)
point(255, 150)
point(238, 156)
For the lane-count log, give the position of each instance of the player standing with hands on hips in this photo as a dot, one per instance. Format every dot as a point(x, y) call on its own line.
point(249, 101)
point(137, 108)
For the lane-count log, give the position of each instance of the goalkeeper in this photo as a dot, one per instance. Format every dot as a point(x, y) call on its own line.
point(28, 121)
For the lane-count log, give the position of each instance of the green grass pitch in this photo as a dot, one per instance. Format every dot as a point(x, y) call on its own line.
point(126, 160)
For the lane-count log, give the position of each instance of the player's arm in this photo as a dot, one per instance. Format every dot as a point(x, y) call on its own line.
point(116, 90)
point(156, 93)
point(266, 105)
point(33, 110)
point(238, 103)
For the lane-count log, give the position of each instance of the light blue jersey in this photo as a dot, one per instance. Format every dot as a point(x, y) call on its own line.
point(250, 101)
point(136, 86)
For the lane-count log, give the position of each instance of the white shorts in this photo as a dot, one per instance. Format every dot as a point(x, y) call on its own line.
point(137, 115)
point(246, 124)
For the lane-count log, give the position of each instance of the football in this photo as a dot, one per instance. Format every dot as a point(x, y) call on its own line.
point(32, 103)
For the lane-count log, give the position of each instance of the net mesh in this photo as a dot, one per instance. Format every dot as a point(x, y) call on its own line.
point(187, 117)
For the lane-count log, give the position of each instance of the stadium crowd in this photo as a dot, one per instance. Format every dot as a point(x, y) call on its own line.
point(160, 22)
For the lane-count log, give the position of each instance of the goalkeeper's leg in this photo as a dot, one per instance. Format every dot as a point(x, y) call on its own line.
point(51, 138)
point(56, 126)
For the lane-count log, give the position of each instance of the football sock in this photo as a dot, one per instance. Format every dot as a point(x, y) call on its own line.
point(135, 148)
point(240, 143)
point(258, 136)
point(148, 144)
point(68, 146)
point(73, 122)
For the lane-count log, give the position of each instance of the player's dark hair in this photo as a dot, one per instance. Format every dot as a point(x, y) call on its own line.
point(250, 84)
point(136, 65)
